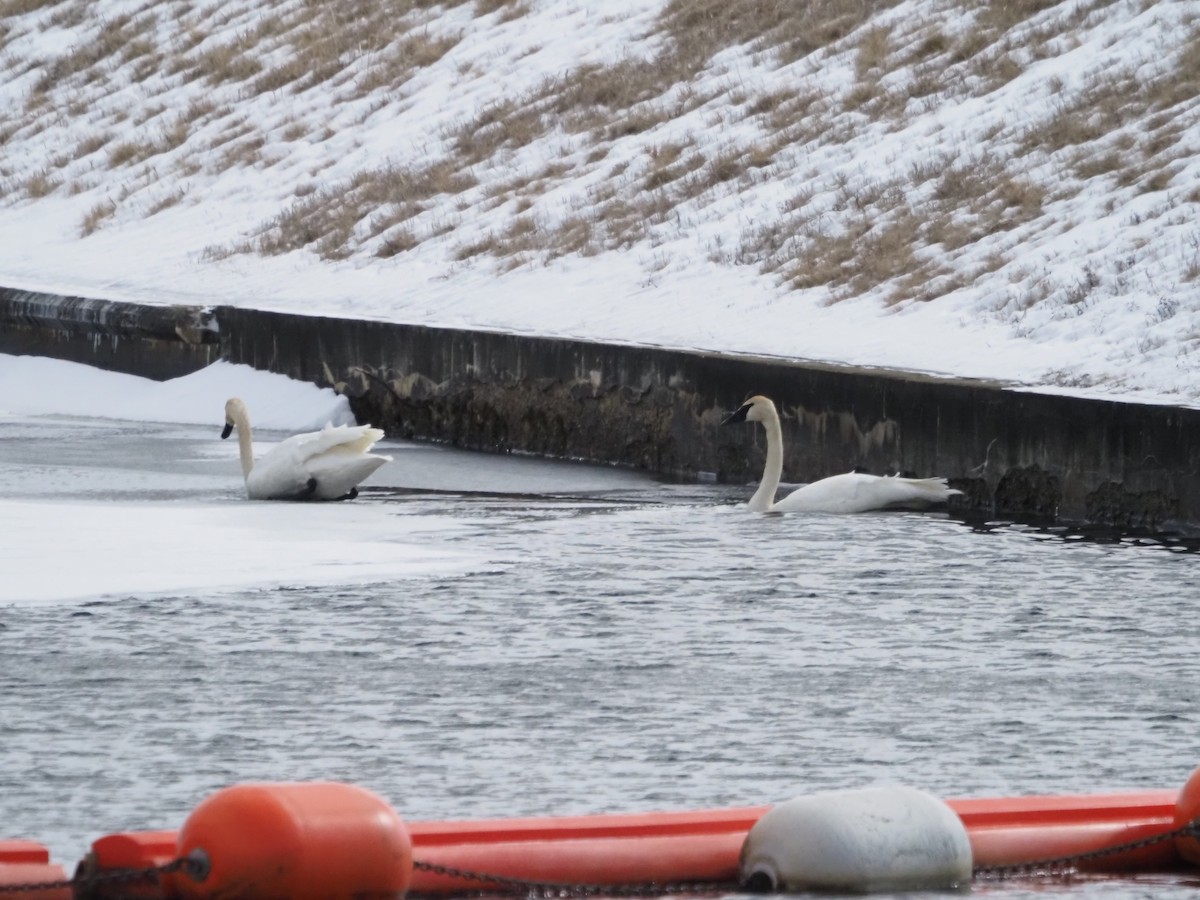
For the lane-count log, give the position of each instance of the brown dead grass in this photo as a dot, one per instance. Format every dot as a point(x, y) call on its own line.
point(386, 197)
point(23, 7)
point(624, 98)
point(89, 60)
point(702, 28)
point(95, 217)
point(900, 231)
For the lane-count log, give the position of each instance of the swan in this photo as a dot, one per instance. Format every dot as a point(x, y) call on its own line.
point(848, 493)
point(319, 465)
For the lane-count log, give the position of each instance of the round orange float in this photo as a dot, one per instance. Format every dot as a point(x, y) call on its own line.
point(301, 841)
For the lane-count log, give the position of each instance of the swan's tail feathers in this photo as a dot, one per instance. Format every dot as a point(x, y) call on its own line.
point(343, 439)
point(365, 440)
point(930, 490)
point(936, 485)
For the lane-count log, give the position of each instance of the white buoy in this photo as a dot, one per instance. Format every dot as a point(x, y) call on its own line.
point(874, 839)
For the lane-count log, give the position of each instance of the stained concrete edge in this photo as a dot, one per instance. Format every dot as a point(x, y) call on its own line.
point(1014, 453)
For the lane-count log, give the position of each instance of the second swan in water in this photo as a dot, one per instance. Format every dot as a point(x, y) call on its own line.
point(849, 493)
point(320, 465)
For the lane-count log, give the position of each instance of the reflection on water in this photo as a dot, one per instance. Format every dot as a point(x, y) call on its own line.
point(635, 646)
point(1174, 541)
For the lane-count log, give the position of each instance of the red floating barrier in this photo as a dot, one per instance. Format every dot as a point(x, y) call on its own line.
point(328, 840)
point(1019, 830)
point(20, 851)
point(596, 850)
point(130, 852)
point(24, 863)
point(300, 841)
point(135, 850)
point(705, 846)
point(1187, 811)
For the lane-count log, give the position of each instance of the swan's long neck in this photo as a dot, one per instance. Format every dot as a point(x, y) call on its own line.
point(245, 445)
point(764, 497)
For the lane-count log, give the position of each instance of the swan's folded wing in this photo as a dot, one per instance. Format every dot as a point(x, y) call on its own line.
point(849, 492)
point(340, 471)
point(916, 493)
point(854, 492)
point(335, 439)
point(275, 478)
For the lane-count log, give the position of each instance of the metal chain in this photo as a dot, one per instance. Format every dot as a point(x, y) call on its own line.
point(548, 889)
point(1058, 866)
point(115, 876)
point(1046, 868)
point(1065, 866)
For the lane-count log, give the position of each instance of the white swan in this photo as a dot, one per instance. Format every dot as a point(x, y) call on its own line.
point(320, 465)
point(848, 493)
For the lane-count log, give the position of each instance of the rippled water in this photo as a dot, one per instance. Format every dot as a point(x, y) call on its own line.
point(622, 645)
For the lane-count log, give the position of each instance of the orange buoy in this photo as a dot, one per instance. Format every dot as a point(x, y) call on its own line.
point(300, 841)
point(24, 863)
point(1187, 810)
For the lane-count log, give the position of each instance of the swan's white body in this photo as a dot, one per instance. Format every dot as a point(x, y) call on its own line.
point(321, 465)
point(848, 493)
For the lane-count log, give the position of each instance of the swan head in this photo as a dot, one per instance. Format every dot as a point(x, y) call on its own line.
point(235, 412)
point(757, 409)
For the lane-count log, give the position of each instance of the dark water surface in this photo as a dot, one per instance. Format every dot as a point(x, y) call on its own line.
point(626, 646)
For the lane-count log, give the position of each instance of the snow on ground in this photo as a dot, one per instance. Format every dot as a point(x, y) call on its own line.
point(65, 540)
point(123, 549)
point(32, 385)
point(1095, 294)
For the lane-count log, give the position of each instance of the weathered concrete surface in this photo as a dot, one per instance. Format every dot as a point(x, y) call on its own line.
point(1014, 454)
point(155, 341)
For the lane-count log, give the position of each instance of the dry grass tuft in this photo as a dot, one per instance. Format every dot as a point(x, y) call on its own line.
point(232, 62)
point(41, 184)
point(95, 217)
point(702, 28)
point(326, 219)
point(166, 202)
point(90, 145)
point(112, 40)
point(511, 8)
point(994, 18)
point(397, 63)
point(23, 7)
point(1106, 104)
point(874, 48)
point(395, 242)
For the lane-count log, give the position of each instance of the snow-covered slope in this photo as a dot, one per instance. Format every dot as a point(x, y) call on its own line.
point(1005, 191)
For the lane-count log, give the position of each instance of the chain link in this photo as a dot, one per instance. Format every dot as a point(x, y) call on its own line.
point(547, 890)
point(1066, 866)
point(113, 877)
point(1062, 866)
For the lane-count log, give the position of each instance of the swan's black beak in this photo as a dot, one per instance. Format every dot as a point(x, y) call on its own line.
point(227, 430)
point(738, 415)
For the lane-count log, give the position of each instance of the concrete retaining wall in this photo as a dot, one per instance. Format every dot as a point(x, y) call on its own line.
point(157, 342)
point(1015, 454)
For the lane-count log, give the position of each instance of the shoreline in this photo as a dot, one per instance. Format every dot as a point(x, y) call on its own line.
point(1015, 453)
